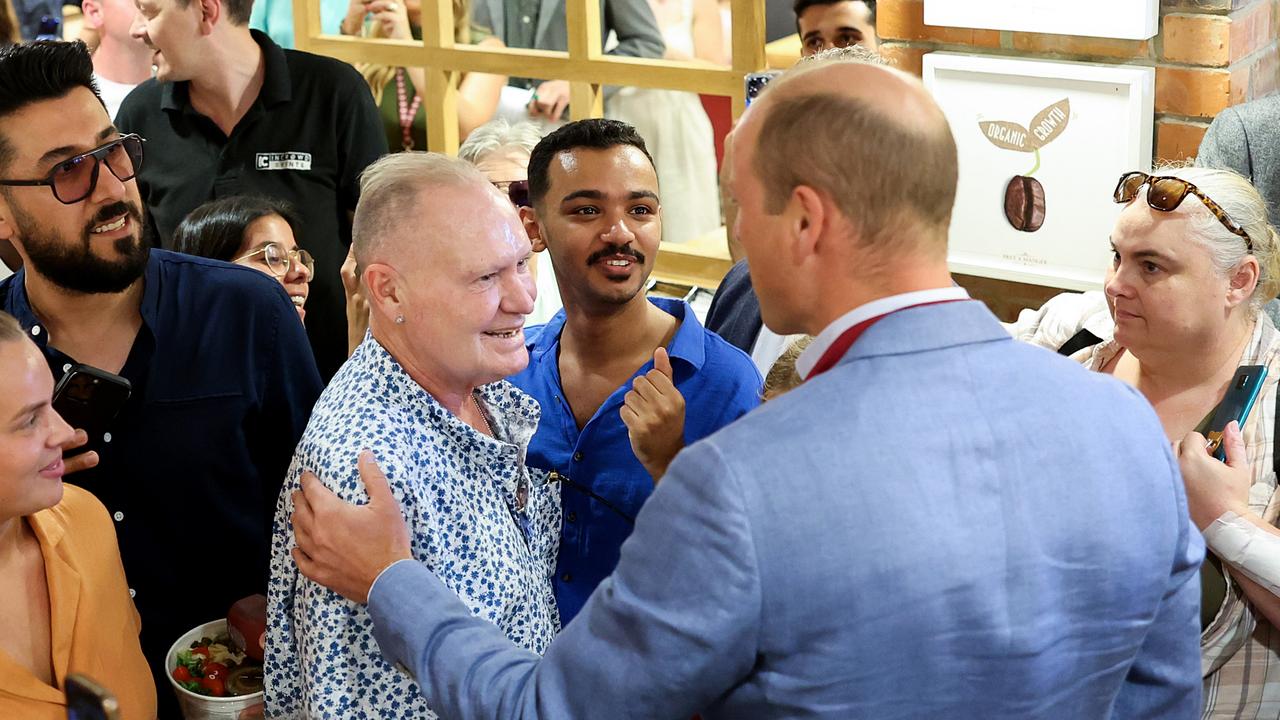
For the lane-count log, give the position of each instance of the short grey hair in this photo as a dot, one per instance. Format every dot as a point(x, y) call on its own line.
point(500, 135)
point(1244, 205)
point(848, 53)
point(391, 189)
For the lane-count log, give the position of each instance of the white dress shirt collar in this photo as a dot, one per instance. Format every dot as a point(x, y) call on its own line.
point(883, 306)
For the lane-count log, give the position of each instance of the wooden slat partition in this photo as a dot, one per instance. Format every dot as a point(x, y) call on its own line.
point(584, 65)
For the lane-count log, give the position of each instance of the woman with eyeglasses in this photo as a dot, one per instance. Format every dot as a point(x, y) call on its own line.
point(258, 232)
point(1193, 261)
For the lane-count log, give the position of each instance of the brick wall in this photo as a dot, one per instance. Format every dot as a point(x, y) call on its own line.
point(1208, 55)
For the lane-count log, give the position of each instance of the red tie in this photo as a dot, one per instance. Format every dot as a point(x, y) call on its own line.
point(847, 338)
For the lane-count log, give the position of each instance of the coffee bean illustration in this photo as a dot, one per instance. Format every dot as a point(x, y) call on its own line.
point(1024, 203)
point(1024, 198)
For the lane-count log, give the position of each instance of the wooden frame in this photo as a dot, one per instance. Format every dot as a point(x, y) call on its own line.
point(1103, 128)
point(585, 66)
point(1127, 19)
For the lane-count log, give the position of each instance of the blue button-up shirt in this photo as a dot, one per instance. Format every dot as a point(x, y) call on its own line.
point(223, 383)
point(719, 384)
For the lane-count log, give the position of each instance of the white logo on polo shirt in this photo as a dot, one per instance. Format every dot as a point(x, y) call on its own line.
point(284, 161)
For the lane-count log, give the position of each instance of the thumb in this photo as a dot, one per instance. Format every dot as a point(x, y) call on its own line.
point(1233, 445)
point(375, 482)
point(661, 361)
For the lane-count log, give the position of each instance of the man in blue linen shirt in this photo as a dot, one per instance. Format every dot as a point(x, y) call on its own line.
point(624, 381)
point(941, 522)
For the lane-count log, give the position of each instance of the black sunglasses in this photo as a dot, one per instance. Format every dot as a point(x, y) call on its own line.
point(516, 190)
point(1166, 193)
point(75, 179)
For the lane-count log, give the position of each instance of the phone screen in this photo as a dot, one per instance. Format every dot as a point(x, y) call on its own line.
point(87, 700)
point(89, 399)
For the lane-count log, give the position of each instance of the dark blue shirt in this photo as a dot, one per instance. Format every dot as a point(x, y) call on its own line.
point(719, 384)
point(223, 383)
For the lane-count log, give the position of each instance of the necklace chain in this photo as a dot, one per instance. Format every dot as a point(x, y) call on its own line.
point(483, 418)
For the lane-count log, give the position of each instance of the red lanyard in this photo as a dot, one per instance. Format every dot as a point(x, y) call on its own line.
point(848, 337)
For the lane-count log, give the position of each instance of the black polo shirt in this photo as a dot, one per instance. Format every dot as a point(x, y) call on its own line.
point(223, 386)
point(311, 131)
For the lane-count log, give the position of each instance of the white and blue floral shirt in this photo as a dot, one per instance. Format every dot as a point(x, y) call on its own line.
point(459, 491)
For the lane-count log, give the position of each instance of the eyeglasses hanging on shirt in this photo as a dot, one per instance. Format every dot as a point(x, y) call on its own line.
point(554, 476)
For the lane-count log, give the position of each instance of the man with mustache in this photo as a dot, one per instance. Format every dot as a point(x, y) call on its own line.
point(222, 378)
point(624, 380)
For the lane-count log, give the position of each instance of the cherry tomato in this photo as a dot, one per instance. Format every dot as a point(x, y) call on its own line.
point(215, 670)
point(216, 686)
point(182, 674)
point(202, 650)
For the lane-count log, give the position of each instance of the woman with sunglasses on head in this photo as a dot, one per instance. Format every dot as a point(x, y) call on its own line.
point(258, 232)
point(1193, 261)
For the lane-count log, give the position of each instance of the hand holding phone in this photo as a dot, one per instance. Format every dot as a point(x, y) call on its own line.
point(1236, 404)
point(89, 399)
point(87, 700)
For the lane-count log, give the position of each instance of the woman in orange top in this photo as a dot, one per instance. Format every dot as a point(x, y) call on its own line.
point(64, 604)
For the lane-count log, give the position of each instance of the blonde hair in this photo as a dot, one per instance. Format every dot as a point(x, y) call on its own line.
point(1242, 202)
point(392, 187)
point(377, 76)
point(10, 33)
point(782, 375)
point(10, 330)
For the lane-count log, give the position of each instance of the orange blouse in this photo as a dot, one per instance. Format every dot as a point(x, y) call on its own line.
point(94, 623)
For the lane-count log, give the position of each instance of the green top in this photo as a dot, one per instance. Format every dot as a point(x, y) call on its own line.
point(389, 109)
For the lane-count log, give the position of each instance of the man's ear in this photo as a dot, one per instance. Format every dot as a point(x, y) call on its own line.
point(529, 217)
point(92, 10)
point(385, 290)
point(211, 11)
point(806, 214)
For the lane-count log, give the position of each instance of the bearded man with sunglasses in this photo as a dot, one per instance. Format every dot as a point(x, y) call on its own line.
point(222, 379)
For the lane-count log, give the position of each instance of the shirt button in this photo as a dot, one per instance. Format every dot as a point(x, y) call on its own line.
point(526, 19)
point(119, 516)
point(133, 593)
point(577, 457)
point(106, 437)
point(66, 367)
point(566, 577)
point(35, 329)
point(572, 517)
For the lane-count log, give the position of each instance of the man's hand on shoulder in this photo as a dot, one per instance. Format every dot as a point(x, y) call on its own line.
point(345, 547)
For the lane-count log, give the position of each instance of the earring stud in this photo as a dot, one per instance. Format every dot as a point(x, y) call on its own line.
point(399, 319)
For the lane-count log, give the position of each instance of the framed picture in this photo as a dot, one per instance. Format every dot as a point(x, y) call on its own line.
point(1127, 19)
point(1041, 146)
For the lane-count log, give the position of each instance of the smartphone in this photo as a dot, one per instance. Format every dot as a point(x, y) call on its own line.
point(1241, 394)
point(756, 83)
point(87, 700)
point(89, 399)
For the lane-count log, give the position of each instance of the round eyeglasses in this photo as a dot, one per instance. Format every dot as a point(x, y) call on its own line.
point(279, 261)
point(75, 179)
point(517, 191)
